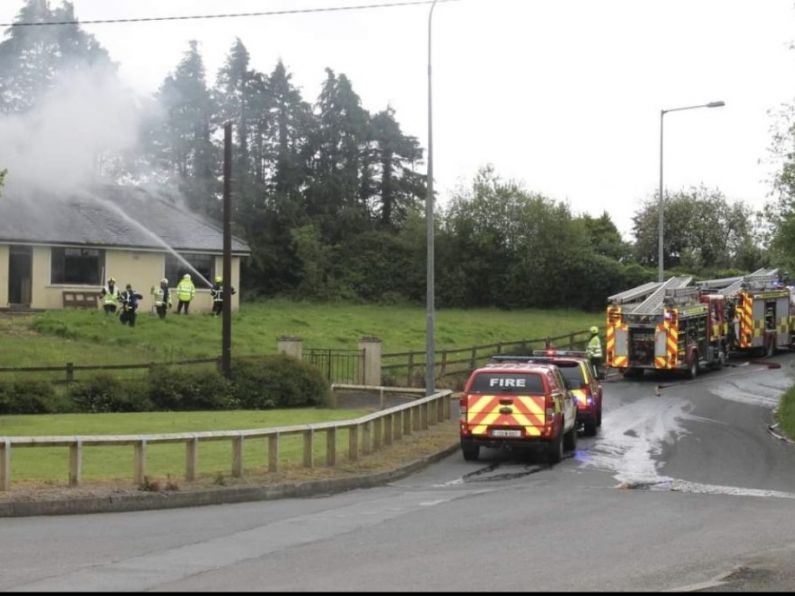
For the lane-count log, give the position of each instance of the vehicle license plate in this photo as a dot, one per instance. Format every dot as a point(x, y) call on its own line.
point(506, 433)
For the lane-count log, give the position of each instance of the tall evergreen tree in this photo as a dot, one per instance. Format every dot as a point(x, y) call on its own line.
point(287, 146)
point(399, 189)
point(31, 58)
point(271, 188)
point(339, 142)
point(181, 143)
point(232, 95)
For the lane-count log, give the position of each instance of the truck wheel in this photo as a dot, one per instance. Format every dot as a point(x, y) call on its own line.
point(631, 373)
point(470, 450)
point(599, 416)
point(570, 439)
point(555, 448)
point(692, 372)
point(590, 427)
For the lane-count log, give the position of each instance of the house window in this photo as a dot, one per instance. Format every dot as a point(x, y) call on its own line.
point(176, 268)
point(80, 266)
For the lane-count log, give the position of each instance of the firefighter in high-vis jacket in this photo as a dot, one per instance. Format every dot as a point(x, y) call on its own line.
point(594, 350)
point(217, 293)
point(110, 296)
point(185, 292)
point(162, 298)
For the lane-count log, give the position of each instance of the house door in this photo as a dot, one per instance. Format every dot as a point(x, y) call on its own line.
point(20, 267)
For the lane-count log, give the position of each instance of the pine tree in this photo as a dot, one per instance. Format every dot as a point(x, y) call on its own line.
point(400, 189)
point(32, 58)
point(181, 142)
point(340, 142)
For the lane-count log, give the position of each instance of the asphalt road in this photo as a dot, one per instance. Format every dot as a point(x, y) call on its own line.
point(686, 490)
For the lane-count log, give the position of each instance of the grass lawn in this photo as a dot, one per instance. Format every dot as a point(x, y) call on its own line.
point(88, 338)
point(50, 465)
point(786, 413)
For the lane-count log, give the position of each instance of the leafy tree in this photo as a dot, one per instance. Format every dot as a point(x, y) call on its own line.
point(779, 213)
point(605, 238)
point(701, 230)
point(512, 248)
point(32, 58)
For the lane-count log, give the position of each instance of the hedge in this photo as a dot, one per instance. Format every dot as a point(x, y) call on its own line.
point(273, 381)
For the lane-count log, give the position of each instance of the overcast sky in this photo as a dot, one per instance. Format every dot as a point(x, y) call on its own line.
point(562, 95)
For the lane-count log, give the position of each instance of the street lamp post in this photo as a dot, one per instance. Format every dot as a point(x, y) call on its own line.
point(430, 357)
point(712, 104)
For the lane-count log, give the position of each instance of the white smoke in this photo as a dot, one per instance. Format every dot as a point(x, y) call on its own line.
point(87, 120)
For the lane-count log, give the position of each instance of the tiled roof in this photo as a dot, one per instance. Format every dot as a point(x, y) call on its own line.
point(108, 216)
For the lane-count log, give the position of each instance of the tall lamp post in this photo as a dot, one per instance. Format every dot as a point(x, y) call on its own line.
point(430, 357)
point(712, 104)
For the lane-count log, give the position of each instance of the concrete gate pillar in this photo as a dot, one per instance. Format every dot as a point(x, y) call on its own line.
point(292, 346)
point(371, 375)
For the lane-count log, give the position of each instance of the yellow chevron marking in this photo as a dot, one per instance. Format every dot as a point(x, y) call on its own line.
point(481, 403)
point(579, 394)
point(533, 405)
point(485, 423)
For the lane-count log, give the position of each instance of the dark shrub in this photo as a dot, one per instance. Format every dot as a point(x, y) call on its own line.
point(277, 380)
point(27, 397)
point(105, 393)
point(180, 390)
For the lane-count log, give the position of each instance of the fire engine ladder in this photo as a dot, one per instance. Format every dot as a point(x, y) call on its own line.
point(756, 280)
point(634, 294)
point(654, 303)
point(680, 296)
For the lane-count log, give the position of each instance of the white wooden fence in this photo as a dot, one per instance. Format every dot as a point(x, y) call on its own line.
point(365, 435)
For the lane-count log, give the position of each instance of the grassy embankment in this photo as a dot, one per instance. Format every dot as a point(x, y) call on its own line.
point(786, 413)
point(91, 338)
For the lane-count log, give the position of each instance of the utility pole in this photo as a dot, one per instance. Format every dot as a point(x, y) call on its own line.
point(226, 335)
point(430, 356)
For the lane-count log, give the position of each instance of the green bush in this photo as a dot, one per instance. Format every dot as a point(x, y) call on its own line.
point(105, 393)
point(27, 397)
point(180, 390)
point(274, 381)
point(277, 380)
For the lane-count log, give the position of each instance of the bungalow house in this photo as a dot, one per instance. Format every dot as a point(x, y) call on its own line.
point(59, 250)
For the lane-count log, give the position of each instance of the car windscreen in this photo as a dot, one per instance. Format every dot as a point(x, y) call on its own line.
point(572, 374)
point(488, 382)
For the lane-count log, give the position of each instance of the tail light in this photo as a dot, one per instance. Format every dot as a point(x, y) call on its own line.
point(588, 395)
point(549, 409)
point(462, 406)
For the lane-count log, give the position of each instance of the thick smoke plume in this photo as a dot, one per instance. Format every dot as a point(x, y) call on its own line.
point(84, 122)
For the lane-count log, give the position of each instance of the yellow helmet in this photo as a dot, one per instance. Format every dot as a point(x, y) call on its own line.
point(111, 280)
point(594, 330)
point(218, 279)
